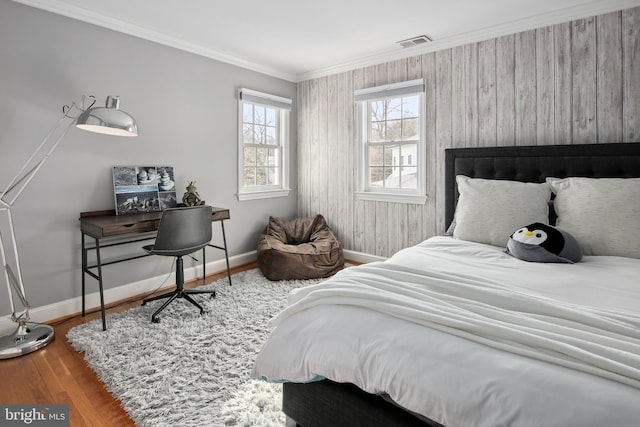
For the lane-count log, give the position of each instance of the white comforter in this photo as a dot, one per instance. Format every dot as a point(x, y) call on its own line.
point(467, 335)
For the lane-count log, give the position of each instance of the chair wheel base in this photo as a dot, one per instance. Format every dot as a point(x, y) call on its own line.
point(155, 320)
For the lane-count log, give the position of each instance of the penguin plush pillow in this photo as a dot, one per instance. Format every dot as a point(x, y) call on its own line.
point(539, 242)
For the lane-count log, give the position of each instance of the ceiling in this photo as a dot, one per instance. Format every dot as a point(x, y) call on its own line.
point(297, 39)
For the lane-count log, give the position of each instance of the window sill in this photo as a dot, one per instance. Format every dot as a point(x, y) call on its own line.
point(264, 194)
point(392, 197)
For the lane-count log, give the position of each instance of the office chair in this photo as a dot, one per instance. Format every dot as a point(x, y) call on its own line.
point(181, 232)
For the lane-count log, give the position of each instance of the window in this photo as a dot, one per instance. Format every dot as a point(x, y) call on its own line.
point(392, 164)
point(263, 145)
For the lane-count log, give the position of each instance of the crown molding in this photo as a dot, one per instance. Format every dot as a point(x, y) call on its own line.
point(593, 8)
point(70, 11)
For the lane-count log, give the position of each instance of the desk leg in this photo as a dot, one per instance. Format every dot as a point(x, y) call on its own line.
point(84, 271)
point(99, 265)
point(226, 253)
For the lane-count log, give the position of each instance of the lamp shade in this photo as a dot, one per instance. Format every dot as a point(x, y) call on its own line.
point(109, 120)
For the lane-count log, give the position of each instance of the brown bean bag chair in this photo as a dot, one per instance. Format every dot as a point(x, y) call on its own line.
point(302, 248)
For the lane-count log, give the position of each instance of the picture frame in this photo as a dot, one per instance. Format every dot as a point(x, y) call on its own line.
point(143, 189)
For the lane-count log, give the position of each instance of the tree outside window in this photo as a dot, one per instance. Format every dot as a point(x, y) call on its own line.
point(394, 135)
point(263, 162)
point(392, 166)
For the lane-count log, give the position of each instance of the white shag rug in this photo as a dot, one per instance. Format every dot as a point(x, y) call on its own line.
point(191, 370)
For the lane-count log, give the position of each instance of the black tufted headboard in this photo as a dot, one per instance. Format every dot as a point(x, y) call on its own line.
point(536, 163)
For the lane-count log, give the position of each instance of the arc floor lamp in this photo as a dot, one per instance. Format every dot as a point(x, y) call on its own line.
point(31, 336)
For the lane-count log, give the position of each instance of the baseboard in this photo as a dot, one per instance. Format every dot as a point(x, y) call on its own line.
point(71, 306)
point(361, 256)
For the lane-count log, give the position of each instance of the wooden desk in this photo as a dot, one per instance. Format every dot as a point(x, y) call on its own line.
point(108, 229)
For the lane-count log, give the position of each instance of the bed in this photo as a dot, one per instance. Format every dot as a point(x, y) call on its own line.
point(456, 332)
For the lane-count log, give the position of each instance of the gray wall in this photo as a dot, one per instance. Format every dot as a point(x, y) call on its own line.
point(186, 108)
point(571, 83)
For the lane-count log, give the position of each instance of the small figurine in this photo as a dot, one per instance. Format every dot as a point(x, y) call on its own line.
point(191, 196)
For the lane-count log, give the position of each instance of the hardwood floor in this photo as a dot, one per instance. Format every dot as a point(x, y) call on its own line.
point(57, 374)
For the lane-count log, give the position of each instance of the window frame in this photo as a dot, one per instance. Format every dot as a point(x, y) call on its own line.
point(283, 107)
point(364, 98)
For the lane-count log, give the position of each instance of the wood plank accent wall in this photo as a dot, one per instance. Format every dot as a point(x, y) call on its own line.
point(577, 82)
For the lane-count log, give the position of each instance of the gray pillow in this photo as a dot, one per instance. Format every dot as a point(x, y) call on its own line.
point(603, 214)
point(488, 210)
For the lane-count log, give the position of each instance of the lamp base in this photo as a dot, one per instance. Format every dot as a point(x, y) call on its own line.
point(25, 339)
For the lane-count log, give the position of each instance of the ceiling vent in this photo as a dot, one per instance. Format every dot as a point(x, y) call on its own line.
point(414, 41)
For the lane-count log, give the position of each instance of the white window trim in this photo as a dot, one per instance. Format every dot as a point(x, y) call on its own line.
point(391, 197)
point(264, 194)
point(284, 104)
point(362, 96)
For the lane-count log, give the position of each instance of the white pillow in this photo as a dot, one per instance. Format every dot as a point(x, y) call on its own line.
point(603, 214)
point(489, 210)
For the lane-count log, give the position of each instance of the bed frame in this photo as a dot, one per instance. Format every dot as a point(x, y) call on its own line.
point(326, 403)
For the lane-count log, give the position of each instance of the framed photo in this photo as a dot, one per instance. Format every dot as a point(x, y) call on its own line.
point(141, 189)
